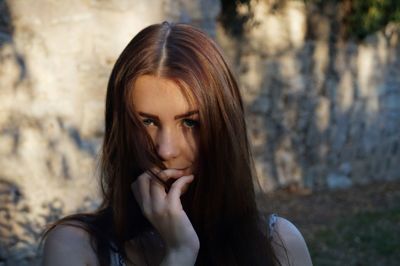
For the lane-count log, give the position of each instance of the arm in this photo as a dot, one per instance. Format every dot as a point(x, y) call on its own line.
point(68, 245)
point(289, 245)
point(163, 208)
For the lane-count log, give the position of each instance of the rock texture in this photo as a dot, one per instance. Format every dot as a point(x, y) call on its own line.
point(322, 112)
point(55, 60)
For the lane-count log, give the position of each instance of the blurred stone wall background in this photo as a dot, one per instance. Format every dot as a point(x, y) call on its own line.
point(323, 112)
point(323, 108)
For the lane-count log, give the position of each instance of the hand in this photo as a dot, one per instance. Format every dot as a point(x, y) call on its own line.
point(164, 210)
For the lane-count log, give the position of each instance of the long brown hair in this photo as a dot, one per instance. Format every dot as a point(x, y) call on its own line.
point(220, 202)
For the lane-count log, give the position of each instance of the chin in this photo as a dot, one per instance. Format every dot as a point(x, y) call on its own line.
point(187, 172)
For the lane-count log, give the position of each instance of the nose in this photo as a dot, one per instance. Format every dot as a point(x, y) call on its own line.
point(167, 144)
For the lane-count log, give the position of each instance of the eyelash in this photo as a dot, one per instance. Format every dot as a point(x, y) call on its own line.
point(193, 123)
point(189, 123)
point(148, 122)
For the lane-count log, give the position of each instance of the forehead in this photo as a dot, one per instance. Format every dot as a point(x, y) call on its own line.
point(155, 94)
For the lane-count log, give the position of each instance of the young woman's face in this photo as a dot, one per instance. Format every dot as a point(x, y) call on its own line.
point(170, 119)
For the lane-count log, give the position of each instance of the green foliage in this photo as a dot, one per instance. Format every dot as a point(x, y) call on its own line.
point(363, 17)
point(369, 16)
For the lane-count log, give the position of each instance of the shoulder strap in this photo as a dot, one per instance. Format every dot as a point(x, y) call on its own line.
point(116, 257)
point(271, 224)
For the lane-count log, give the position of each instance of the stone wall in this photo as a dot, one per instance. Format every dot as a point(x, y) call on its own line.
point(321, 113)
point(55, 60)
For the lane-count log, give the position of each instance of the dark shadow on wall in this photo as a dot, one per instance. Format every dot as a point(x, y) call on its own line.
point(19, 233)
point(6, 37)
point(10, 196)
point(5, 19)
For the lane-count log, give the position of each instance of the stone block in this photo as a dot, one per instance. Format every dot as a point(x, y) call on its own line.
point(345, 92)
point(322, 114)
point(92, 124)
point(336, 181)
point(392, 101)
point(345, 169)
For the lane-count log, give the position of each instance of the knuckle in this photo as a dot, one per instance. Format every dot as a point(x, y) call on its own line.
point(143, 176)
point(140, 181)
point(162, 175)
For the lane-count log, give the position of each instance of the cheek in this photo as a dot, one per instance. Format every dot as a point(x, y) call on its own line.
point(152, 132)
point(188, 143)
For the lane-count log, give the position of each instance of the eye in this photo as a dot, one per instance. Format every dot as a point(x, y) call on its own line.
point(148, 122)
point(190, 123)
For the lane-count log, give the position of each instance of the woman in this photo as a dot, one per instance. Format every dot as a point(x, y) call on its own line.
point(176, 167)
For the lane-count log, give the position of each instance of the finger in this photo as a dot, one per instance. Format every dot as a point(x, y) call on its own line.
point(157, 194)
point(141, 191)
point(157, 190)
point(177, 189)
point(167, 174)
point(154, 170)
point(154, 173)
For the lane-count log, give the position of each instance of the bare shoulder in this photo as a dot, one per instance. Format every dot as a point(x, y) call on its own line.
point(68, 245)
point(289, 244)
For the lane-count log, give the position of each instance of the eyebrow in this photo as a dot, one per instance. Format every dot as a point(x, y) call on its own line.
point(190, 113)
